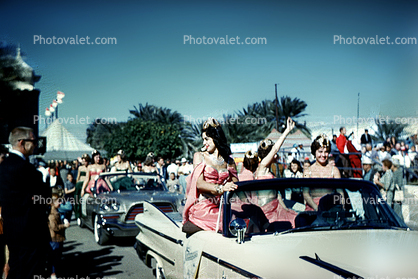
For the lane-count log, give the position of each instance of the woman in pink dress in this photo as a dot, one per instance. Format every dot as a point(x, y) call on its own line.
point(269, 200)
point(320, 148)
point(93, 171)
point(214, 173)
point(250, 164)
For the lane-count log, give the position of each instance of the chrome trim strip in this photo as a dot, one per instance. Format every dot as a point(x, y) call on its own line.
point(230, 266)
point(176, 241)
point(330, 267)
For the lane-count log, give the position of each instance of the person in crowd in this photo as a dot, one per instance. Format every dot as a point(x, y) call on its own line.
point(54, 181)
point(294, 170)
point(270, 201)
point(138, 167)
point(160, 167)
point(148, 165)
point(398, 183)
point(306, 163)
point(25, 218)
point(4, 152)
point(392, 141)
point(368, 170)
point(122, 163)
point(215, 173)
point(396, 150)
point(57, 231)
point(81, 177)
point(63, 170)
point(42, 168)
point(385, 182)
point(173, 184)
point(250, 164)
point(320, 149)
point(74, 169)
point(365, 138)
point(385, 152)
point(93, 170)
point(371, 153)
point(173, 168)
point(69, 189)
point(183, 171)
point(343, 157)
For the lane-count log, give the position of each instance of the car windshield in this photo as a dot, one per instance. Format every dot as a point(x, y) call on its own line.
point(128, 182)
point(291, 206)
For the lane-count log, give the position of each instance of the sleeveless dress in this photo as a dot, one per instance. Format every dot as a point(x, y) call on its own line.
point(101, 185)
point(202, 209)
point(78, 186)
point(245, 175)
point(271, 207)
point(316, 199)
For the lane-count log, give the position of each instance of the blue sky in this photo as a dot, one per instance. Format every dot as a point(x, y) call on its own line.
point(150, 63)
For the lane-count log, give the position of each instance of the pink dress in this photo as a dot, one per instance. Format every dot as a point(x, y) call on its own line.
point(273, 210)
point(101, 185)
point(316, 199)
point(202, 209)
point(245, 175)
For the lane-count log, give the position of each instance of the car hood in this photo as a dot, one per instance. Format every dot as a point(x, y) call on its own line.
point(376, 253)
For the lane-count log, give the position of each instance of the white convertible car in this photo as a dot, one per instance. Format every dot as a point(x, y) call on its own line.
point(352, 234)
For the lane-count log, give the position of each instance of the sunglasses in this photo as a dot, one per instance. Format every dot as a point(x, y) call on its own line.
point(34, 141)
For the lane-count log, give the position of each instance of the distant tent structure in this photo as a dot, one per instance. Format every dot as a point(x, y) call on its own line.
point(62, 145)
point(294, 138)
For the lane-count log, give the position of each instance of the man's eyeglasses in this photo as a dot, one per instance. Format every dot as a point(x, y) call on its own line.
point(34, 141)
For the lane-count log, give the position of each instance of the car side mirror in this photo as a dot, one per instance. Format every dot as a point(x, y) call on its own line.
point(238, 227)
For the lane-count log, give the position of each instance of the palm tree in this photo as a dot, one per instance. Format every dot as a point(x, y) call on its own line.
point(189, 133)
point(387, 129)
point(286, 107)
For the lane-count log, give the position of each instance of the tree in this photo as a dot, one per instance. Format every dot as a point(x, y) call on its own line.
point(385, 129)
point(189, 133)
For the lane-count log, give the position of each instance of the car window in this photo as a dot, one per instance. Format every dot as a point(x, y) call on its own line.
point(128, 182)
point(287, 209)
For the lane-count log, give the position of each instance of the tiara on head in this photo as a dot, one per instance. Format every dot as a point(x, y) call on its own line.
point(266, 143)
point(249, 154)
point(323, 141)
point(211, 122)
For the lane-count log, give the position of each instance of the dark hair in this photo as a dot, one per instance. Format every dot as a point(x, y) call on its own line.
point(250, 161)
point(295, 161)
point(264, 148)
point(149, 161)
point(86, 157)
point(341, 129)
point(387, 163)
point(213, 129)
point(320, 141)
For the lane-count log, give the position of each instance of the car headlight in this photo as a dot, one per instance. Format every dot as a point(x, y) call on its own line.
point(110, 206)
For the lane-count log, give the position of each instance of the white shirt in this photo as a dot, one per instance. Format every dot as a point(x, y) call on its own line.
point(172, 168)
point(52, 181)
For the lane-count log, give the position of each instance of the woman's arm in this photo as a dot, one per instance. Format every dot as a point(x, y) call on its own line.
point(308, 198)
point(336, 172)
point(276, 147)
point(212, 188)
point(78, 174)
point(86, 181)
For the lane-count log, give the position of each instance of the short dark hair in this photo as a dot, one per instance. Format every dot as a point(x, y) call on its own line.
point(341, 129)
point(264, 148)
point(250, 161)
point(320, 141)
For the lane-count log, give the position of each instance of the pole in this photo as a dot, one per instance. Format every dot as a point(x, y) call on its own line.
point(277, 113)
point(358, 111)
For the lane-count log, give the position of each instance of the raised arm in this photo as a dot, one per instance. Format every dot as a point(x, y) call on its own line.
point(276, 147)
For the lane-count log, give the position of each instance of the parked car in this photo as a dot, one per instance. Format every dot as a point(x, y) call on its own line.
point(353, 234)
point(112, 214)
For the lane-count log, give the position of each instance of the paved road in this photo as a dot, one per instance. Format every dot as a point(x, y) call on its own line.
point(84, 259)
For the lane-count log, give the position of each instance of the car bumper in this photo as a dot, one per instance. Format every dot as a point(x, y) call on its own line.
point(115, 228)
